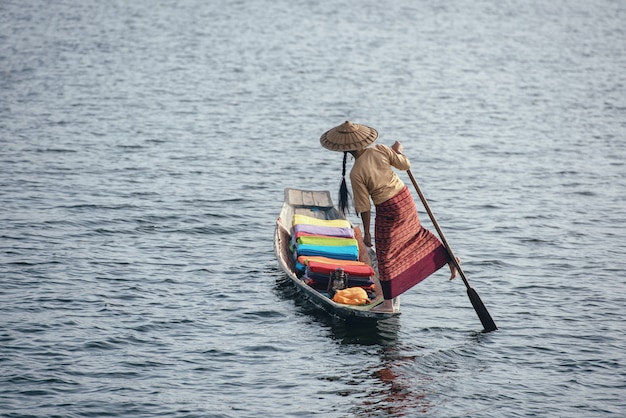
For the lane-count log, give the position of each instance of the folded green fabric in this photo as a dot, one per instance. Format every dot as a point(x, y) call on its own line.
point(327, 241)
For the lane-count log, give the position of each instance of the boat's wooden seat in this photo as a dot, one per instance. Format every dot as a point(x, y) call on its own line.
point(316, 204)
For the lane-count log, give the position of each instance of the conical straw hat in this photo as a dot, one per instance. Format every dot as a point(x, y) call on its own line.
point(348, 137)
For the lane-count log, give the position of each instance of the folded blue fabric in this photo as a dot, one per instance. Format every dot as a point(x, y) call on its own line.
point(341, 253)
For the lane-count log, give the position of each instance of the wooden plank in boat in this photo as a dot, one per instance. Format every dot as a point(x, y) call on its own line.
point(308, 198)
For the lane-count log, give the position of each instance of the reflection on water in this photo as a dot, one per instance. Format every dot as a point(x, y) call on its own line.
point(351, 331)
point(398, 391)
point(393, 383)
point(399, 395)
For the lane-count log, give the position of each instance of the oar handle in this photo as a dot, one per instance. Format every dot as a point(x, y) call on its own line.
point(439, 231)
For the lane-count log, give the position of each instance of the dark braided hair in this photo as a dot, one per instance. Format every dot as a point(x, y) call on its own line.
point(344, 194)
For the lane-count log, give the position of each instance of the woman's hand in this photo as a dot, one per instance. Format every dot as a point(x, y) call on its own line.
point(367, 239)
point(397, 147)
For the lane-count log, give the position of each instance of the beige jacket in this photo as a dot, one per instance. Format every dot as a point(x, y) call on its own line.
point(372, 176)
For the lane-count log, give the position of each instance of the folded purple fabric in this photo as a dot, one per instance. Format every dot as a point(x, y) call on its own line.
point(332, 231)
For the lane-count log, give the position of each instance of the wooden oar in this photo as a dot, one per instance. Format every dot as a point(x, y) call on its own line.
point(478, 304)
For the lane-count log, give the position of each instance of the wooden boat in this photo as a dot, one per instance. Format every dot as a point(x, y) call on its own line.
point(319, 205)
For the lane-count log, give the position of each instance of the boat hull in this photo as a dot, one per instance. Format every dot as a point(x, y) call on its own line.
point(318, 204)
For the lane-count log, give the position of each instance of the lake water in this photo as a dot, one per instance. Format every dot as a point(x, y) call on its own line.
point(144, 149)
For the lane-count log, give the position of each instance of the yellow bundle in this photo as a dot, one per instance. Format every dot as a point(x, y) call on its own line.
point(351, 296)
point(303, 219)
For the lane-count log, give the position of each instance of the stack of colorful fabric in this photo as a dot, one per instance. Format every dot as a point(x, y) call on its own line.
point(324, 238)
point(322, 246)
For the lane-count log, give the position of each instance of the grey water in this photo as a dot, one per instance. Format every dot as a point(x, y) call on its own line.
point(144, 149)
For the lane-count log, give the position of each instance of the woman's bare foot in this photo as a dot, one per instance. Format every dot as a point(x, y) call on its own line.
point(453, 271)
point(386, 306)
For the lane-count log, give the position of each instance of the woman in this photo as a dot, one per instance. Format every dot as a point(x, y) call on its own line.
point(407, 252)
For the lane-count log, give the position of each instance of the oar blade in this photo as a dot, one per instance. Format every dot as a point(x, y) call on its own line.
point(481, 310)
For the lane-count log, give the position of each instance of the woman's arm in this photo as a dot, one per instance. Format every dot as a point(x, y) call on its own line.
point(367, 237)
point(399, 160)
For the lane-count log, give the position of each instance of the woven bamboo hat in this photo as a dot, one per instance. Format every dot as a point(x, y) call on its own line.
point(348, 137)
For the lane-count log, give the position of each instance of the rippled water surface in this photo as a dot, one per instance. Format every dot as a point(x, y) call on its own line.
point(144, 149)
